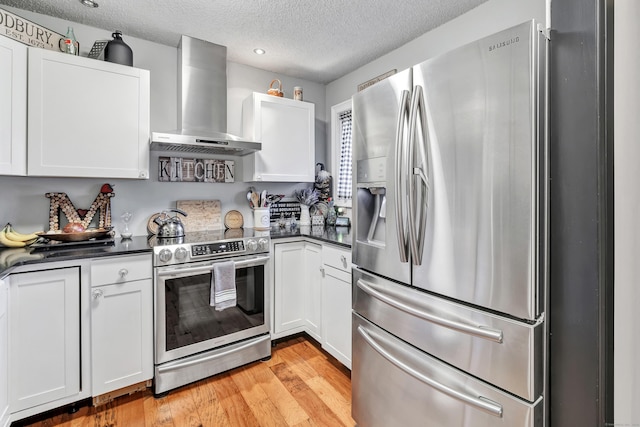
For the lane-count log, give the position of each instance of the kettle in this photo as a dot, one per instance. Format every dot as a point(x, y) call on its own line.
point(170, 226)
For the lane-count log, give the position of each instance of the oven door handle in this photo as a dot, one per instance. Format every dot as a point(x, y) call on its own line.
point(252, 262)
point(244, 263)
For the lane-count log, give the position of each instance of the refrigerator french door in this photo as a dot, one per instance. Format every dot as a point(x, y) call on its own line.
point(450, 236)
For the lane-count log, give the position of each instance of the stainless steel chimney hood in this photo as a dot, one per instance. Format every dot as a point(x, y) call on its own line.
point(202, 112)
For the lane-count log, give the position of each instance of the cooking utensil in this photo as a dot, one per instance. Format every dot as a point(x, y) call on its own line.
point(255, 199)
point(249, 199)
point(263, 198)
point(170, 226)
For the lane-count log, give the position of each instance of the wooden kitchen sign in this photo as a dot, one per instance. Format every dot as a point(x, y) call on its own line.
point(178, 169)
point(29, 33)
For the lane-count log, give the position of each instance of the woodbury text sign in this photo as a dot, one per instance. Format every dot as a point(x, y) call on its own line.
point(25, 31)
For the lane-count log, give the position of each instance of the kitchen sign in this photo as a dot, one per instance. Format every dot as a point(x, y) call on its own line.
point(178, 169)
point(29, 33)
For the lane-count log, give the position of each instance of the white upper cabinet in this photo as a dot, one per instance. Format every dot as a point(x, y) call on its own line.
point(13, 107)
point(286, 129)
point(86, 118)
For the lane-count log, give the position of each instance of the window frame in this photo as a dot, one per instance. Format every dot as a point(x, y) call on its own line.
point(336, 142)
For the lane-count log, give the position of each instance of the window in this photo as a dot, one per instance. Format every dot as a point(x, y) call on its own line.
point(341, 153)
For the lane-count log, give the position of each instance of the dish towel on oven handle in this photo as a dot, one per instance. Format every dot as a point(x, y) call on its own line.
point(223, 285)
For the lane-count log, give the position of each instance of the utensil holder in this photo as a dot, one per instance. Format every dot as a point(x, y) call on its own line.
point(261, 219)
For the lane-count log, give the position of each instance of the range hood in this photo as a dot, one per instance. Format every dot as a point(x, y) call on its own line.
point(202, 111)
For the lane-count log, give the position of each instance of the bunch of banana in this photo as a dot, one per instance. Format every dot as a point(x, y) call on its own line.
point(12, 239)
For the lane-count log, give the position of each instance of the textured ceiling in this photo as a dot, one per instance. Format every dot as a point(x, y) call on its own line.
point(316, 40)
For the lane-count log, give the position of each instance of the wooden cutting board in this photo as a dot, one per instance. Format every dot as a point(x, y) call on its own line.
point(202, 215)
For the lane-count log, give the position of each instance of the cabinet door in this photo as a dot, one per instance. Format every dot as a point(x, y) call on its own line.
point(4, 355)
point(336, 314)
point(289, 302)
point(13, 108)
point(122, 335)
point(86, 118)
point(313, 290)
point(44, 337)
point(286, 129)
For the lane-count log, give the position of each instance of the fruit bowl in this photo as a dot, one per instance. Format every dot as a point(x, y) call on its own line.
point(88, 234)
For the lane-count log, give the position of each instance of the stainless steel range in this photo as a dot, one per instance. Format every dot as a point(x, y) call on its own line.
point(194, 338)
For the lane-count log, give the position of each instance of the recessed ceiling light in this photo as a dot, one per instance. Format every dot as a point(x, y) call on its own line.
point(89, 3)
point(259, 51)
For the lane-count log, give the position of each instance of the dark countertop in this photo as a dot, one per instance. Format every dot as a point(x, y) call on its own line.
point(336, 235)
point(14, 257)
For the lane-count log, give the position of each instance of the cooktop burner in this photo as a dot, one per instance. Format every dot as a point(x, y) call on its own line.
point(203, 245)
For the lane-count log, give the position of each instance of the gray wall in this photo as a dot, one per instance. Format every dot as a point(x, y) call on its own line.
point(26, 207)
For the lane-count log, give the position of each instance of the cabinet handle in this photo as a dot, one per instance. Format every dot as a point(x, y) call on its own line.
point(97, 293)
point(322, 271)
point(344, 260)
point(123, 272)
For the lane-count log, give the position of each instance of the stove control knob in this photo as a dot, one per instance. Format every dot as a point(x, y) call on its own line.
point(263, 244)
point(165, 255)
point(181, 254)
point(252, 245)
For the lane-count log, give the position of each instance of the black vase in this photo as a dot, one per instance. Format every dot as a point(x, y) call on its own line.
point(118, 51)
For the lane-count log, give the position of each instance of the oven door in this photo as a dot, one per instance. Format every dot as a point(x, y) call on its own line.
point(186, 324)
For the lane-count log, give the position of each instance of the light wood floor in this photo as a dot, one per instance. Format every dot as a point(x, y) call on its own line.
point(300, 386)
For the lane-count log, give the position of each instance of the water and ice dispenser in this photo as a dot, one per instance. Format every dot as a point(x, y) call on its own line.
point(371, 201)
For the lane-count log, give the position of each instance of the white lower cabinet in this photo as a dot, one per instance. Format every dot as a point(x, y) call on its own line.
point(121, 323)
point(4, 354)
point(336, 303)
point(44, 337)
point(296, 285)
point(312, 289)
point(336, 314)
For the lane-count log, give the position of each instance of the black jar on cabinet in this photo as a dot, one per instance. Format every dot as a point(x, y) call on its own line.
point(118, 51)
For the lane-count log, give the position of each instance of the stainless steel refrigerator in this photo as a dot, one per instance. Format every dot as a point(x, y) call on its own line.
point(450, 236)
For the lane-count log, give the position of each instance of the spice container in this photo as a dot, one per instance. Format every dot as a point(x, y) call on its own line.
point(297, 93)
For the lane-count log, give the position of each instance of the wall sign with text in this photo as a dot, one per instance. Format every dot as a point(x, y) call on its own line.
point(178, 169)
point(30, 33)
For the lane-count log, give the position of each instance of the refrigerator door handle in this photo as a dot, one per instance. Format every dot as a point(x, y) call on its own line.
point(480, 402)
point(480, 331)
point(400, 161)
point(416, 236)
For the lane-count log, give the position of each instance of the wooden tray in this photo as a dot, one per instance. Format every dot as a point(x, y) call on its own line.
point(76, 237)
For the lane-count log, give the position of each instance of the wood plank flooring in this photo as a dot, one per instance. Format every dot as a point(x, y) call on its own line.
point(300, 386)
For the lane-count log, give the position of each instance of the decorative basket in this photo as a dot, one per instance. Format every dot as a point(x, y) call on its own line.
point(275, 91)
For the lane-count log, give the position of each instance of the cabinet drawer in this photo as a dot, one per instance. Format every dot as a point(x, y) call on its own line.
point(120, 269)
point(339, 274)
point(338, 258)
